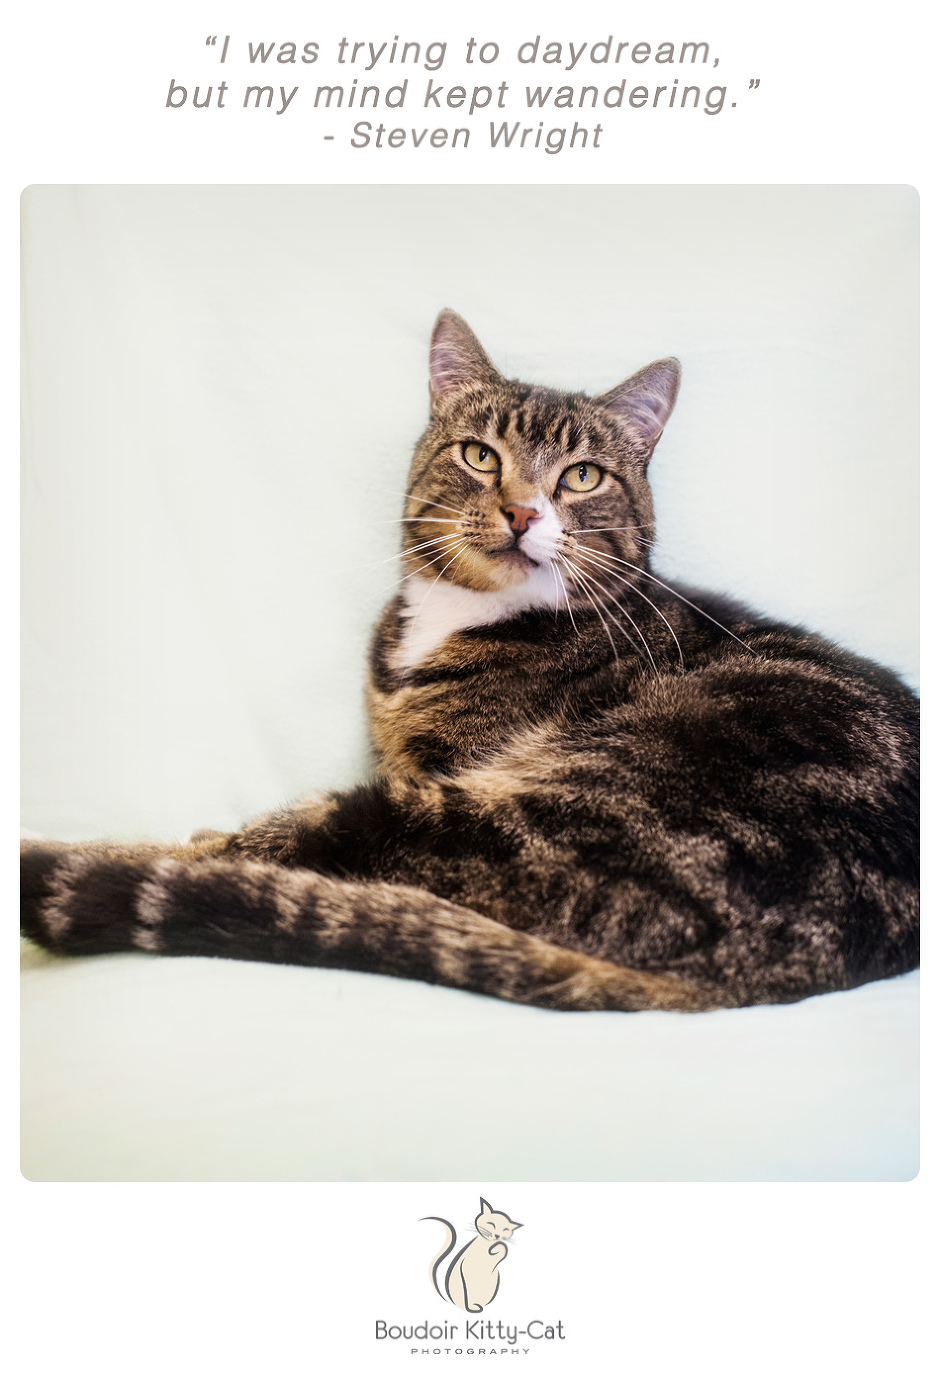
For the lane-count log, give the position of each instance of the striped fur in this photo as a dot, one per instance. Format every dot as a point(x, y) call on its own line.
point(593, 791)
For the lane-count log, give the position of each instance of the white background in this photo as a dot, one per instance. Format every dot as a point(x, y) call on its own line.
point(290, 1276)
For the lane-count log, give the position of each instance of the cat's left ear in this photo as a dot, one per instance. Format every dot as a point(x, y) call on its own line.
point(458, 360)
point(485, 1208)
point(644, 401)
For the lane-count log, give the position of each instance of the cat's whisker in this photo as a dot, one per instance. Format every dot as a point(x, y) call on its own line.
point(584, 553)
point(577, 581)
point(587, 591)
point(407, 576)
point(414, 520)
point(617, 602)
point(564, 592)
point(665, 585)
point(557, 576)
point(643, 640)
point(424, 567)
point(416, 496)
point(601, 529)
point(409, 633)
point(437, 579)
point(605, 591)
point(416, 548)
point(459, 554)
point(429, 543)
point(642, 636)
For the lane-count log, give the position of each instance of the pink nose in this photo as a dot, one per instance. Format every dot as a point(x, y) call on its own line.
point(520, 517)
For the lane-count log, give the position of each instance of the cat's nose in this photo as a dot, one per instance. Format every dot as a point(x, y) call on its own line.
point(520, 517)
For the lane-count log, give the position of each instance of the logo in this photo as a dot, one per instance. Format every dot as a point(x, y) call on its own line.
point(467, 1277)
point(471, 1280)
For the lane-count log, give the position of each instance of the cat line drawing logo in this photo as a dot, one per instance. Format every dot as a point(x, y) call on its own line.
point(467, 1276)
point(471, 1280)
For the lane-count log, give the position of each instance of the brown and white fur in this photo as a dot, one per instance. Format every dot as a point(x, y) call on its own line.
point(592, 790)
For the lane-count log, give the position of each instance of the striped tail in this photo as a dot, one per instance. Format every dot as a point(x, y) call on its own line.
point(441, 1255)
point(95, 899)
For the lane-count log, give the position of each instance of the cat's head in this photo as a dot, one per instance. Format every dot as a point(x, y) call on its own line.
point(516, 486)
point(494, 1225)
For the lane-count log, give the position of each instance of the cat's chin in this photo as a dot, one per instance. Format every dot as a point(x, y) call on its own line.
point(511, 567)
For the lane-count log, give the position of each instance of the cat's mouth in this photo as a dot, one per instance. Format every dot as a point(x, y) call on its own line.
point(513, 556)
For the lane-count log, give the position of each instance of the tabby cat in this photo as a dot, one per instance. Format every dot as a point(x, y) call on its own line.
point(592, 791)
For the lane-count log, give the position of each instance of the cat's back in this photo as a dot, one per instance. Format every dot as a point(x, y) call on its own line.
point(775, 696)
point(709, 694)
point(778, 728)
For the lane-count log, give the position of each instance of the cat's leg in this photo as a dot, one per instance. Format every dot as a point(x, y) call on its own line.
point(457, 1283)
point(505, 846)
point(94, 900)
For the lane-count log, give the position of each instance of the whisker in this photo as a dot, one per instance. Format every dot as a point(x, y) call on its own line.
point(636, 627)
point(665, 585)
point(414, 520)
point(450, 541)
point(629, 637)
point(438, 539)
point(643, 639)
point(557, 576)
point(584, 553)
point(403, 553)
point(600, 529)
point(440, 574)
point(613, 619)
point(587, 591)
point(416, 496)
point(564, 592)
point(410, 632)
point(405, 577)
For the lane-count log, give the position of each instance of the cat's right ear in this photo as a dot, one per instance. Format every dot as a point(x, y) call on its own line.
point(458, 359)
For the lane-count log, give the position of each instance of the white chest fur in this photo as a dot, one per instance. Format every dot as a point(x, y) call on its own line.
point(431, 613)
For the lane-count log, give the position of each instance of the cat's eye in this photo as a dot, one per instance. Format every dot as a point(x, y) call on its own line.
point(480, 457)
point(581, 477)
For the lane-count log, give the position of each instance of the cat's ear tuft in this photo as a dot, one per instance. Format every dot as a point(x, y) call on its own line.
point(644, 401)
point(458, 359)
